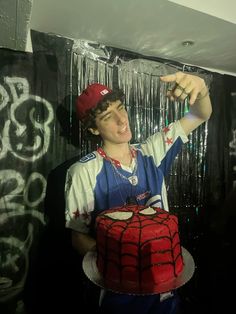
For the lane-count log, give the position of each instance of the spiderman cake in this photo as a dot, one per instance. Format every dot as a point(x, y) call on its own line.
point(138, 249)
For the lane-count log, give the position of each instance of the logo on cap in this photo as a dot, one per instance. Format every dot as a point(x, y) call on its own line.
point(104, 92)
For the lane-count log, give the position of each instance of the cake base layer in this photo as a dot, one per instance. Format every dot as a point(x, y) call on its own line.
point(91, 271)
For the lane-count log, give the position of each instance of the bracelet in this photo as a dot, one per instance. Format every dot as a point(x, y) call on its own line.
point(203, 96)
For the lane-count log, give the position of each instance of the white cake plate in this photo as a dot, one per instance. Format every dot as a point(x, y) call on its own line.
point(91, 271)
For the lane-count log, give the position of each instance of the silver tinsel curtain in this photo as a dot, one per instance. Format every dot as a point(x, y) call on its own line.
point(149, 109)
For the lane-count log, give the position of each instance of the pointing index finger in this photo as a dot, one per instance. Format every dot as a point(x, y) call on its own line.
point(169, 78)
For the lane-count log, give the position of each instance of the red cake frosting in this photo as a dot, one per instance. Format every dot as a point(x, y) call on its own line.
point(138, 248)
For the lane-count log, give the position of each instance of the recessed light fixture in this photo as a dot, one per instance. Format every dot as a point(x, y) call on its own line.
point(188, 43)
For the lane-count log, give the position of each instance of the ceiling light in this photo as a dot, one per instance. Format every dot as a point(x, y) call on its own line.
point(187, 43)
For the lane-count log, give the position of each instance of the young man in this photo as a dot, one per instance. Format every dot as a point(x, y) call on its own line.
point(119, 172)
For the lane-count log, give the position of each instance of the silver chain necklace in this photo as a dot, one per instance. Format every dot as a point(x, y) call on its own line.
point(133, 179)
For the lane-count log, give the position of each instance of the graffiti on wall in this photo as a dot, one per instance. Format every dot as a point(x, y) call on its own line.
point(25, 132)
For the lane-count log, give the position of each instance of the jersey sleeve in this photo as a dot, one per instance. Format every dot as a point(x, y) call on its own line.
point(163, 146)
point(79, 198)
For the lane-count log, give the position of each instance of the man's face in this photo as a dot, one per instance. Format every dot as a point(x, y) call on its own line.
point(113, 124)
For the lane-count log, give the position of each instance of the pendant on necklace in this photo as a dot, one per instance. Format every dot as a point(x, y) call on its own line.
point(133, 180)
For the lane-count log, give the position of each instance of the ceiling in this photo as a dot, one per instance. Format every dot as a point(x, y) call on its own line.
point(150, 27)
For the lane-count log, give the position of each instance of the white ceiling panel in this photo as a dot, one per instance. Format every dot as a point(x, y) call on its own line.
point(150, 27)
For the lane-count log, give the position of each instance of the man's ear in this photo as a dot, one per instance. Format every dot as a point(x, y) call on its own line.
point(94, 131)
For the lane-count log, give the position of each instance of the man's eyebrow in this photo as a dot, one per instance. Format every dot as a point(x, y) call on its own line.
point(120, 105)
point(103, 115)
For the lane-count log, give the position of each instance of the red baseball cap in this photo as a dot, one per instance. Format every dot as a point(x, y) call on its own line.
point(89, 99)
